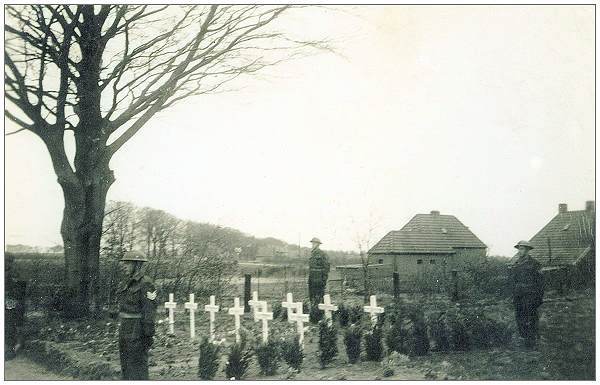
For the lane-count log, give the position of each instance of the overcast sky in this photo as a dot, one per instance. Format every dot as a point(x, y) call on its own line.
point(482, 112)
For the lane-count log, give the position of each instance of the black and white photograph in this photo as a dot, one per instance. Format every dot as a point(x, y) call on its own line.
point(320, 192)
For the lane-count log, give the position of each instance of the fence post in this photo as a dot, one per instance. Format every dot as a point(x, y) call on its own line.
point(247, 288)
point(455, 285)
point(396, 285)
point(258, 281)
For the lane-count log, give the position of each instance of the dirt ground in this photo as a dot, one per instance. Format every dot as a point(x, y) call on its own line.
point(22, 368)
point(566, 350)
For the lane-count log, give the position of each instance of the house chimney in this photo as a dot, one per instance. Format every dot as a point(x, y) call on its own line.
point(435, 212)
point(590, 206)
point(562, 208)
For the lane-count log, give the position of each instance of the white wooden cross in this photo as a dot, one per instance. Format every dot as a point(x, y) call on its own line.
point(265, 316)
point(212, 309)
point(254, 303)
point(290, 305)
point(236, 311)
point(171, 305)
point(328, 307)
point(300, 319)
point(192, 307)
point(373, 309)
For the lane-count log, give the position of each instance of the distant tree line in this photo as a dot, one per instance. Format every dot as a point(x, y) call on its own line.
point(184, 256)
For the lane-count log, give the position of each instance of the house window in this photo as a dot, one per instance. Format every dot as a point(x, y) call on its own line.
point(381, 261)
point(419, 261)
point(432, 262)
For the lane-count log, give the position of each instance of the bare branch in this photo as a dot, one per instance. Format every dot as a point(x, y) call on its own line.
point(16, 131)
point(118, 65)
point(21, 123)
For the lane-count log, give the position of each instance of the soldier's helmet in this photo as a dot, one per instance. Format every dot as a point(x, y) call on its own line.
point(134, 255)
point(316, 240)
point(524, 243)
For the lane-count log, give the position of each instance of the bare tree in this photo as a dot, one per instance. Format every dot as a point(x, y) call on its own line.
point(102, 72)
point(363, 242)
point(156, 227)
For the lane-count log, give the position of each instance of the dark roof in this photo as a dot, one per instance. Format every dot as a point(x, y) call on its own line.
point(430, 234)
point(571, 236)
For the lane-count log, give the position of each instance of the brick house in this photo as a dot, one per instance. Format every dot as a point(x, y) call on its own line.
point(429, 245)
point(565, 246)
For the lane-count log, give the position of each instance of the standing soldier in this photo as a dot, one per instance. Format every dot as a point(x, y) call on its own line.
point(318, 266)
point(527, 292)
point(137, 306)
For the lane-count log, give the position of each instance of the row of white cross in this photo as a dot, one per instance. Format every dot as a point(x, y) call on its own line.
point(260, 313)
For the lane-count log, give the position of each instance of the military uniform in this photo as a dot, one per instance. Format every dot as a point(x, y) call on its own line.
point(317, 275)
point(137, 308)
point(527, 294)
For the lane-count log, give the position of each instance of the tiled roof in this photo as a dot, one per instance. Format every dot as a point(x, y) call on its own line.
point(428, 233)
point(571, 235)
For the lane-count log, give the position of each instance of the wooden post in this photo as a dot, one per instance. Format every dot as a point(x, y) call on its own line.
point(247, 289)
point(396, 285)
point(565, 281)
point(455, 285)
point(258, 281)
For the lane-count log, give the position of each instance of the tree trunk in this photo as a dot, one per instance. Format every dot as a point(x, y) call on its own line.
point(85, 189)
point(81, 231)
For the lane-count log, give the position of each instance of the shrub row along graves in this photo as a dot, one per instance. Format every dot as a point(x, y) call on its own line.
point(371, 330)
point(269, 353)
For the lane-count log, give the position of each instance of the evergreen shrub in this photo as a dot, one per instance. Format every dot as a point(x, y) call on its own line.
point(292, 353)
point(327, 343)
point(268, 356)
point(238, 360)
point(373, 344)
point(352, 340)
point(208, 361)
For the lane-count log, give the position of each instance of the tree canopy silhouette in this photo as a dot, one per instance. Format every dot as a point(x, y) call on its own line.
point(102, 72)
